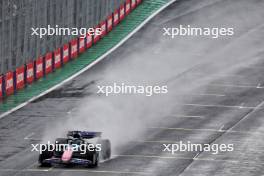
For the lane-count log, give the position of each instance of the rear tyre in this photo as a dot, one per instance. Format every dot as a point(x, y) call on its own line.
point(95, 160)
point(106, 149)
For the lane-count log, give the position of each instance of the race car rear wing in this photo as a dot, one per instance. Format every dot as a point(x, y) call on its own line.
point(84, 134)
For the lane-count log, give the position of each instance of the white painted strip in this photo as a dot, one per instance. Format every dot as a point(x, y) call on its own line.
point(202, 94)
point(81, 170)
point(196, 156)
point(24, 170)
point(35, 164)
point(186, 116)
point(29, 136)
point(151, 141)
point(90, 65)
point(208, 130)
point(207, 94)
point(175, 157)
point(71, 111)
point(260, 86)
point(248, 115)
point(234, 85)
point(75, 170)
point(219, 75)
point(152, 156)
point(221, 128)
point(219, 106)
point(184, 129)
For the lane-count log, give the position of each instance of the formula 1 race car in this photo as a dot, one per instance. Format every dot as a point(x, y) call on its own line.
point(79, 148)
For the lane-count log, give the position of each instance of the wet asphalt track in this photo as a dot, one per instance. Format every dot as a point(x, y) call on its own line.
point(227, 111)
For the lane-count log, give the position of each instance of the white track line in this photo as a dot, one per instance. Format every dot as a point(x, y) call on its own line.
point(202, 94)
point(175, 157)
point(208, 94)
point(159, 142)
point(248, 115)
point(196, 156)
point(260, 86)
point(207, 130)
point(90, 65)
point(240, 86)
point(76, 170)
point(184, 129)
point(221, 128)
point(186, 116)
point(220, 75)
point(218, 106)
point(29, 136)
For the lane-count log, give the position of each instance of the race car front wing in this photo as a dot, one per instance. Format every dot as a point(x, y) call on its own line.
point(77, 161)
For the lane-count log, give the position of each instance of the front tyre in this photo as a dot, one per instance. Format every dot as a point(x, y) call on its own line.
point(46, 154)
point(95, 160)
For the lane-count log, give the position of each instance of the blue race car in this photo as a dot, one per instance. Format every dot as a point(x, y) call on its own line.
point(79, 148)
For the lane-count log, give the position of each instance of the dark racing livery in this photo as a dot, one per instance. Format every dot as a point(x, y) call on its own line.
point(79, 148)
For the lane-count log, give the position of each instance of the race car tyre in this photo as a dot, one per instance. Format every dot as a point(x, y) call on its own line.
point(45, 154)
point(95, 160)
point(106, 149)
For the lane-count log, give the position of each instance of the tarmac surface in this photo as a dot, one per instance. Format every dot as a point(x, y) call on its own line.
point(224, 106)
